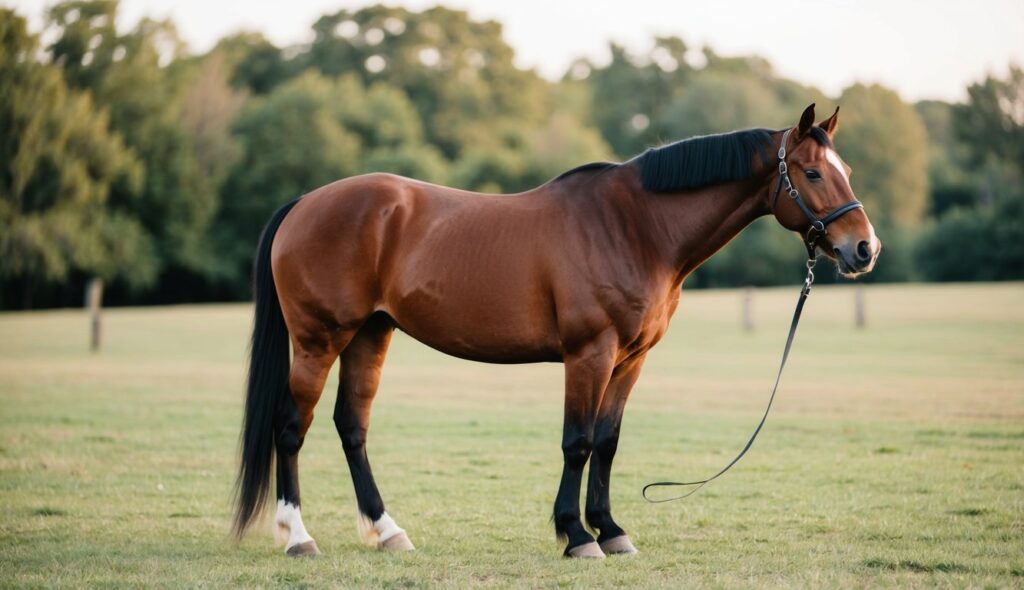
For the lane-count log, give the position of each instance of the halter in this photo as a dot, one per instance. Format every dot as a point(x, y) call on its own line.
point(819, 225)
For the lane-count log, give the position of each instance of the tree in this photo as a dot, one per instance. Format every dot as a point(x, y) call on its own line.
point(60, 162)
point(457, 72)
point(292, 143)
point(949, 179)
point(631, 92)
point(980, 244)
point(511, 157)
point(257, 65)
point(721, 98)
point(991, 123)
point(884, 142)
point(139, 79)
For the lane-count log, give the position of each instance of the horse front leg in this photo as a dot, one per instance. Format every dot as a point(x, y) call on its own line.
point(612, 539)
point(587, 372)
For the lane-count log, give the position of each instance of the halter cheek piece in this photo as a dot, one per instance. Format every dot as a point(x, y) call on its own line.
point(819, 225)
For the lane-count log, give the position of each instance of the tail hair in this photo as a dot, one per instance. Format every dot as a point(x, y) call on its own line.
point(267, 384)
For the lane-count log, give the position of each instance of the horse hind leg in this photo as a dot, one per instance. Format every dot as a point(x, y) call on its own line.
point(361, 364)
point(310, 367)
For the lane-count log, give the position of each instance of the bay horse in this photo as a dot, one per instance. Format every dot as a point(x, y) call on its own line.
point(585, 270)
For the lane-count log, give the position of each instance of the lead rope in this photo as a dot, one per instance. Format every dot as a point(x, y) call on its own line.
point(785, 355)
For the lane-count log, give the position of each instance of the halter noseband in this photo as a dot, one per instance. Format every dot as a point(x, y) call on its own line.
point(819, 225)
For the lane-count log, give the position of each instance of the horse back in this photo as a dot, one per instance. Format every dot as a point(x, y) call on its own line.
point(466, 273)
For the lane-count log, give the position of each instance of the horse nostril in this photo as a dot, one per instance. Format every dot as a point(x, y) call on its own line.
point(864, 250)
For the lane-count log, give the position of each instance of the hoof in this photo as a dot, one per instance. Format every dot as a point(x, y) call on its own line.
point(620, 545)
point(307, 549)
point(398, 542)
point(589, 550)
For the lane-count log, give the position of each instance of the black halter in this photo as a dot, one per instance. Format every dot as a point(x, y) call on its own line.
point(819, 225)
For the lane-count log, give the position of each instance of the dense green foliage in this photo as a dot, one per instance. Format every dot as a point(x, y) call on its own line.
point(61, 164)
point(125, 157)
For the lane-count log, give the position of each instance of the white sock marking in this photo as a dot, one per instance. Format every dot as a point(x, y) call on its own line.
point(375, 533)
point(386, 527)
point(289, 516)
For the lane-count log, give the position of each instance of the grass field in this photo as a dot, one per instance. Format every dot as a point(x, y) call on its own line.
point(894, 456)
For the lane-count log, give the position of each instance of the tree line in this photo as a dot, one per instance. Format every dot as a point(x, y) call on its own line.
point(125, 157)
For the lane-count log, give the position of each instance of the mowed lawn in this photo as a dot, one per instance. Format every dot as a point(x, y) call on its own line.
point(894, 455)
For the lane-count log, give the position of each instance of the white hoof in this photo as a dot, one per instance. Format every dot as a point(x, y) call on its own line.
point(383, 533)
point(589, 550)
point(307, 549)
point(620, 545)
point(398, 543)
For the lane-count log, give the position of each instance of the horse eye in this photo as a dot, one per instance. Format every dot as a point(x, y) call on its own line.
point(812, 174)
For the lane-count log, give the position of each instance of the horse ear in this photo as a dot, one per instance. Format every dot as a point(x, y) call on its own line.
point(830, 124)
point(806, 122)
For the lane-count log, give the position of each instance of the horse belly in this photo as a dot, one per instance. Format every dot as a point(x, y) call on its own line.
point(484, 312)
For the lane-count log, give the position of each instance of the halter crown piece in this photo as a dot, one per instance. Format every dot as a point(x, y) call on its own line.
point(819, 225)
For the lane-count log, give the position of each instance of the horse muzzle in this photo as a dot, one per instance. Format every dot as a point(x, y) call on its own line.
point(855, 257)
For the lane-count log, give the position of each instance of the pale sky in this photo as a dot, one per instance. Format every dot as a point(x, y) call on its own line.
point(922, 49)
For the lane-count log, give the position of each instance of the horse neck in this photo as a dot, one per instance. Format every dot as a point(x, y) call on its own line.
point(688, 227)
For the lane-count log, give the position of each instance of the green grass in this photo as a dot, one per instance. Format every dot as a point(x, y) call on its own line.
point(894, 456)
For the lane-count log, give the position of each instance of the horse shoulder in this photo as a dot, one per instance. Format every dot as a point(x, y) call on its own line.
point(643, 321)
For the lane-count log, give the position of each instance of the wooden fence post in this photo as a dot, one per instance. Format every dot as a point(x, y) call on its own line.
point(859, 315)
point(94, 303)
point(748, 309)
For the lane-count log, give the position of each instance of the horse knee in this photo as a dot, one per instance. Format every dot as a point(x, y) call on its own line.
point(352, 438)
point(577, 451)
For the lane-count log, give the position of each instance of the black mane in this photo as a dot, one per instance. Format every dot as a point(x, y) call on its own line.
point(703, 160)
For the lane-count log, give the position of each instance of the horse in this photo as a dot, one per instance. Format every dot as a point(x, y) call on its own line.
point(585, 270)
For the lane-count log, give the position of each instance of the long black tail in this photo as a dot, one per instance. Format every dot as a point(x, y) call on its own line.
point(267, 386)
